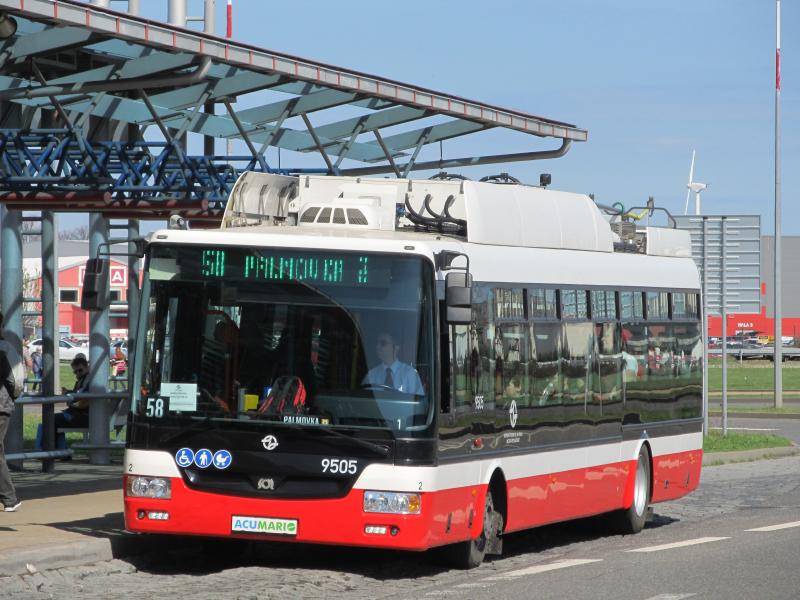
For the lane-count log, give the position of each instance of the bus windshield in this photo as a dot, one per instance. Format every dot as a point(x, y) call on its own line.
point(296, 337)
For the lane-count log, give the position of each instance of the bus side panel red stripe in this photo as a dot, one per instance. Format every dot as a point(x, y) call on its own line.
point(527, 502)
point(607, 483)
point(542, 499)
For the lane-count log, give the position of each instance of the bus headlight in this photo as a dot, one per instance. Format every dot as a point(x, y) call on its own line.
point(149, 487)
point(400, 503)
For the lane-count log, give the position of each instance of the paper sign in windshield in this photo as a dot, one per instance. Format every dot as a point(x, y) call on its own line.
point(182, 396)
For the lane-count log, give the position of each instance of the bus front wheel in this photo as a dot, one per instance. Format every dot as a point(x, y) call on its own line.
point(470, 554)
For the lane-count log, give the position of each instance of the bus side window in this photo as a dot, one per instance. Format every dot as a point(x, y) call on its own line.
point(460, 365)
point(546, 364)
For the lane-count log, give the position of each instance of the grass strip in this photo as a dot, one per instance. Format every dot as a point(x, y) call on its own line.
point(767, 410)
point(736, 440)
point(30, 423)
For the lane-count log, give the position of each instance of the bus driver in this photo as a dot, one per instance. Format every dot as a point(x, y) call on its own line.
point(391, 372)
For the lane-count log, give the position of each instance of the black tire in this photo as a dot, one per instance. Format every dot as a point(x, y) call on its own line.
point(470, 554)
point(632, 519)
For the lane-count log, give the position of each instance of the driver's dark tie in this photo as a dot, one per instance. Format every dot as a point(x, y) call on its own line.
point(389, 381)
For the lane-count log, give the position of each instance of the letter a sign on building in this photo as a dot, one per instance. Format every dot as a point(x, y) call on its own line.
point(118, 275)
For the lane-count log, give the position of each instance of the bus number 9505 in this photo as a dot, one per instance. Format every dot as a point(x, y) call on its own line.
point(339, 465)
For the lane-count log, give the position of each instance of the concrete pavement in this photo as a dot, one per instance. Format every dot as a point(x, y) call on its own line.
point(74, 515)
point(69, 517)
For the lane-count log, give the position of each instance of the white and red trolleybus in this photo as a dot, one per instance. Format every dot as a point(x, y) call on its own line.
point(411, 364)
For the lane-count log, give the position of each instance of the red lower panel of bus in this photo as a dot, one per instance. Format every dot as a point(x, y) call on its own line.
point(543, 499)
point(446, 515)
point(335, 521)
point(675, 475)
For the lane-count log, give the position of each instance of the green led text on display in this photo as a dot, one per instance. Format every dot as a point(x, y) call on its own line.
point(276, 267)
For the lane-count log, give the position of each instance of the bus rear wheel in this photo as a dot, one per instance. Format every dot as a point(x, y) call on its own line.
point(632, 519)
point(470, 554)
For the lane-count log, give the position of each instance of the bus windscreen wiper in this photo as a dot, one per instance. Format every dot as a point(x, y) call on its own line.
point(377, 448)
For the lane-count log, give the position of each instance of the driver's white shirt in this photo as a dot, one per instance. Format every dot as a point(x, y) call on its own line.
point(405, 377)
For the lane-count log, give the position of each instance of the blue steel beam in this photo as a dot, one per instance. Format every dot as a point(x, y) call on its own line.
point(59, 161)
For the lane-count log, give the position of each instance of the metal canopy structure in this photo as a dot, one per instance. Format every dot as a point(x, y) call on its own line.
point(80, 84)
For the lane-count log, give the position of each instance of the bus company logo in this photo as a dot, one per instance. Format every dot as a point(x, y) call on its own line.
point(512, 413)
point(270, 442)
point(266, 483)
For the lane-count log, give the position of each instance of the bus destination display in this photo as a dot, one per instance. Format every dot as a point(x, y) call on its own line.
point(277, 266)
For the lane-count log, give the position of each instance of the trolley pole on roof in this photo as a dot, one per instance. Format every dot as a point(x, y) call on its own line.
point(778, 348)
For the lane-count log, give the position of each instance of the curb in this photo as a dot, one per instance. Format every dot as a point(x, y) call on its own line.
point(117, 545)
point(47, 557)
point(718, 458)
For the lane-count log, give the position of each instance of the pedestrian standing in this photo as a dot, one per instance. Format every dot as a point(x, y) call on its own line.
point(27, 361)
point(36, 360)
point(11, 379)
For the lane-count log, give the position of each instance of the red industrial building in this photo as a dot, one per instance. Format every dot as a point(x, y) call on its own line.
point(73, 321)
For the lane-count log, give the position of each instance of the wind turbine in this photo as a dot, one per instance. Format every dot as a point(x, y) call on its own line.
point(695, 187)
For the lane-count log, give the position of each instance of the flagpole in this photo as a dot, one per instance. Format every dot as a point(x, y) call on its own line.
point(229, 35)
point(778, 347)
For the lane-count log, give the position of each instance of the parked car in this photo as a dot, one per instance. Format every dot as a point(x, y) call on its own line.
point(66, 350)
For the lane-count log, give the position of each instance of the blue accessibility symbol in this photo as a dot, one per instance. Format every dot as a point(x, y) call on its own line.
point(203, 458)
point(184, 457)
point(222, 459)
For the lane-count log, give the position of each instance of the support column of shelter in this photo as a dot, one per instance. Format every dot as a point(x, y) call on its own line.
point(11, 302)
point(133, 289)
point(50, 334)
point(98, 356)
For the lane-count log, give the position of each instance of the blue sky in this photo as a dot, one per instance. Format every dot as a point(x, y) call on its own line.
point(650, 81)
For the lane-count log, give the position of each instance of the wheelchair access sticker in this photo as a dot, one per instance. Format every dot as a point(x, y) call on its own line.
point(184, 457)
point(204, 458)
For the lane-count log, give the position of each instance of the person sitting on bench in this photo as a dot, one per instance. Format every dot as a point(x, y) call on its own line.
point(76, 415)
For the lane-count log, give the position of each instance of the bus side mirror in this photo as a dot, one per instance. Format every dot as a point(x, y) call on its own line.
point(458, 298)
point(95, 285)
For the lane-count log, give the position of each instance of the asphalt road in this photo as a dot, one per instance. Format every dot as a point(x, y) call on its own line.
point(700, 546)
